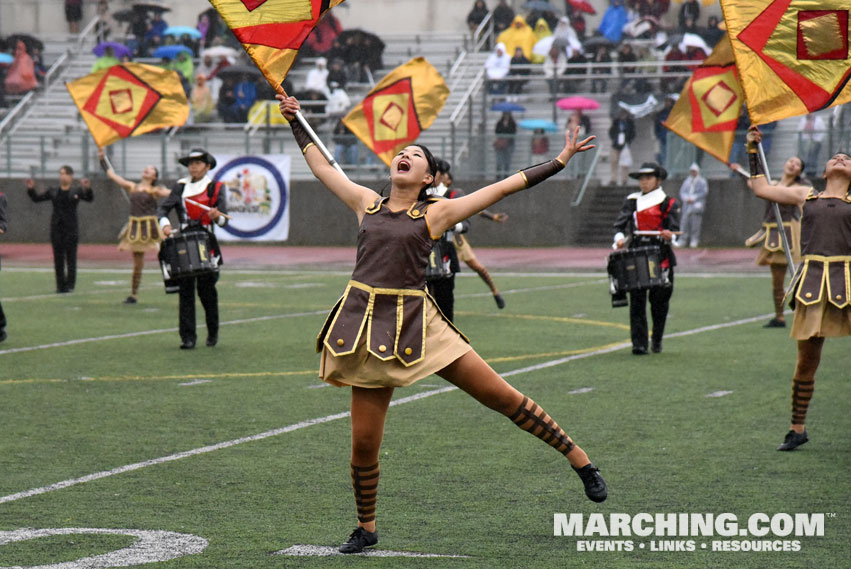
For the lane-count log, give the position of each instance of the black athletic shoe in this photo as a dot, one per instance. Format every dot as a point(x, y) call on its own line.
point(3, 335)
point(775, 323)
point(212, 341)
point(130, 300)
point(793, 440)
point(359, 539)
point(639, 351)
point(187, 344)
point(656, 347)
point(500, 302)
point(595, 486)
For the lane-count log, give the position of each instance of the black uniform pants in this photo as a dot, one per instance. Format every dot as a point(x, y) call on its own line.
point(65, 258)
point(443, 291)
point(209, 296)
point(660, 300)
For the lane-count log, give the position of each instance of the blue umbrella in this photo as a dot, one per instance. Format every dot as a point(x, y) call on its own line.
point(504, 106)
point(119, 49)
point(182, 31)
point(171, 51)
point(5, 58)
point(532, 124)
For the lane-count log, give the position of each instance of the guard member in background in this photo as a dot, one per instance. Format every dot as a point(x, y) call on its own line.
point(2, 231)
point(443, 261)
point(64, 226)
point(199, 188)
point(649, 210)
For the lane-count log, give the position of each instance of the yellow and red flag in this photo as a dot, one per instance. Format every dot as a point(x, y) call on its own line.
point(708, 109)
point(272, 31)
point(403, 104)
point(792, 55)
point(128, 100)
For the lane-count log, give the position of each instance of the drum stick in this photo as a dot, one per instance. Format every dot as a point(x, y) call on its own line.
point(655, 232)
point(208, 208)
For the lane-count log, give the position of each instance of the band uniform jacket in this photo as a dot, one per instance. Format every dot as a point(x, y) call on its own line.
point(63, 221)
point(652, 211)
point(192, 217)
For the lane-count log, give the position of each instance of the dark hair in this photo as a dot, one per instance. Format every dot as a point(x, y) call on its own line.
point(68, 169)
point(800, 177)
point(433, 169)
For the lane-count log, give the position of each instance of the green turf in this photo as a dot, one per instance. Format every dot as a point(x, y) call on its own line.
point(457, 479)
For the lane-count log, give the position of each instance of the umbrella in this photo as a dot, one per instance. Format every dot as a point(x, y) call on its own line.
point(544, 46)
point(171, 51)
point(594, 41)
point(220, 51)
point(29, 41)
point(150, 7)
point(119, 49)
point(5, 59)
point(532, 124)
point(237, 70)
point(182, 31)
point(582, 6)
point(540, 5)
point(641, 109)
point(577, 103)
point(508, 106)
point(123, 15)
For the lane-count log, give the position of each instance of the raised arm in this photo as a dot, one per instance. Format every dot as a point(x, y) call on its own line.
point(355, 196)
point(788, 195)
point(445, 214)
point(110, 172)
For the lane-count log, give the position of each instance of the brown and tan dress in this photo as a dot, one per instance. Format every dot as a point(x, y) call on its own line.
point(823, 296)
point(386, 331)
point(142, 231)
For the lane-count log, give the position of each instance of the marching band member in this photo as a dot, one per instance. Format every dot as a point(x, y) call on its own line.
point(386, 331)
point(822, 304)
point(200, 189)
point(142, 231)
point(648, 210)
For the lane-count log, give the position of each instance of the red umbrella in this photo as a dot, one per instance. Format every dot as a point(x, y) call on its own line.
point(577, 103)
point(582, 6)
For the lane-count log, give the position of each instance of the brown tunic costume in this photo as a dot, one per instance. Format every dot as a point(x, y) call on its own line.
point(771, 252)
point(386, 331)
point(823, 297)
point(142, 230)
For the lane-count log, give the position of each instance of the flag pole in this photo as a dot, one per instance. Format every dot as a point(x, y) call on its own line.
point(314, 138)
point(777, 217)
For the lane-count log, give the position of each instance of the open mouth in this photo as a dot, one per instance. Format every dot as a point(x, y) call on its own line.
point(403, 166)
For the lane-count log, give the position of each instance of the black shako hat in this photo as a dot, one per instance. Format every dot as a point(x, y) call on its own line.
point(650, 168)
point(198, 154)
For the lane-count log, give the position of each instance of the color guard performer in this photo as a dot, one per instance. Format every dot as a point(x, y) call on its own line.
point(821, 292)
point(142, 231)
point(771, 252)
point(386, 331)
point(648, 210)
point(200, 205)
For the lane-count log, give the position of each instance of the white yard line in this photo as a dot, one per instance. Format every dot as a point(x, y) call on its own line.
point(328, 418)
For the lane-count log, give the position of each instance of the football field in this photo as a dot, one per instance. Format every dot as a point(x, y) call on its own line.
point(118, 449)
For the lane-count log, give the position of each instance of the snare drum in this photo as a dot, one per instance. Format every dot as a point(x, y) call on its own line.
point(187, 255)
point(636, 269)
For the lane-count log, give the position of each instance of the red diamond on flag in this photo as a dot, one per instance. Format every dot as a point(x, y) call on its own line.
point(252, 4)
point(806, 45)
point(122, 100)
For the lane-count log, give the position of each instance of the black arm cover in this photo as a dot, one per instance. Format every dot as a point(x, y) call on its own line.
point(301, 136)
point(105, 163)
point(540, 172)
point(754, 162)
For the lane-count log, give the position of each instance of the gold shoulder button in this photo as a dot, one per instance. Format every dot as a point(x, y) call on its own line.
point(408, 351)
point(382, 348)
point(340, 342)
